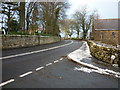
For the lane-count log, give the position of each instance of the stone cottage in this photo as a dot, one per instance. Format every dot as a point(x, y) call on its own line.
point(107, 31)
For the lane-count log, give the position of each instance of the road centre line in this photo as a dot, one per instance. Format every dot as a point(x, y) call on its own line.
point(28, 53)
point(61, 58)
point(25, 74)
point(56, 61)
point(9, 81)
point(39, 68)
point(48, 64)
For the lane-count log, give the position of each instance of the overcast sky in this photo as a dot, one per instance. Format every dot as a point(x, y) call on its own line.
point(106, 8)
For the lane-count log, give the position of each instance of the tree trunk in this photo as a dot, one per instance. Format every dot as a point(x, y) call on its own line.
point(8, 22)
point(27, 25)
point(78, 33)
point(22, 16)
point(84, 35)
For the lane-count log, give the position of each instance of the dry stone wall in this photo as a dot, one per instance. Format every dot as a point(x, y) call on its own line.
point(109, 55)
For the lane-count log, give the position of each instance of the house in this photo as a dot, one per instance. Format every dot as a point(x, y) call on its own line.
point(39, 30)
point(107, 31)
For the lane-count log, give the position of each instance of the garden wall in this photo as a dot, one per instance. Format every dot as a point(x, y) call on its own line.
point(109, 55)
point(14, 41)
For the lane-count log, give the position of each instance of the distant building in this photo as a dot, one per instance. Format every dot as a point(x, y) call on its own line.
point(107, 31)
point(39, 30)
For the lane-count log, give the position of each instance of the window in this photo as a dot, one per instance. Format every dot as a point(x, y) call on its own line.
point(113, 34)
point(101, 36)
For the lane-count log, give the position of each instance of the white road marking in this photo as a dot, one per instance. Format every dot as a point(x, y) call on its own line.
point(61, 58)
point(39, 68)
point(28, 53)
point(48, 64)
point(25, 74)
point(56, 61)
point(30, 72)
point(9, 81)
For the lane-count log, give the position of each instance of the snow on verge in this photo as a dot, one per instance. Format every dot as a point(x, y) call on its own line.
point(84, 52)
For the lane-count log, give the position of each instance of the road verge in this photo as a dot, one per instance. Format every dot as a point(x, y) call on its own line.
point(84, 53)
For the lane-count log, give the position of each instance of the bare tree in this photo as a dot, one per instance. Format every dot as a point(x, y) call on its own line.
point(22, 16)
point(64, 26)
point(76, 17)
point(29, 9)
point(71, 28)
point(84, 20)
point(67, 26)
point(34, 20)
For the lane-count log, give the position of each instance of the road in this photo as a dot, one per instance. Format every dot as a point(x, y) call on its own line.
point(47, 66)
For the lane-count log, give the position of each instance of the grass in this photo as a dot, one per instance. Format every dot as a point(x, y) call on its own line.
point(74, 38)
point(18, 33)
point(25, 33)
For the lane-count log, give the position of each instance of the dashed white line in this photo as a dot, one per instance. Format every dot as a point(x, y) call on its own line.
point(39, 68)
point(25, 74)
point(48, 64)
point(56, 61)
point(61, 58)
point(9, 81)
point(38, 51)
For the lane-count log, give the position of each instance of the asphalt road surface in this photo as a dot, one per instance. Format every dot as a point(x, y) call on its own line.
point(46, 66)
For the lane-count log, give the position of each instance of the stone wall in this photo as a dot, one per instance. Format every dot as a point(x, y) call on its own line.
point(107, 36)
point(14, 41)
point(109, 55)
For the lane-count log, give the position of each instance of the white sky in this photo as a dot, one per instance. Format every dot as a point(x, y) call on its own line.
point(106, 8)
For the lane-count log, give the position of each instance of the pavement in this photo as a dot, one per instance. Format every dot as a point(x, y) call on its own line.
point(83, 57)
point(48, 67)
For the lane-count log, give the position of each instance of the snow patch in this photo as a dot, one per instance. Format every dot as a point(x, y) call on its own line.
point(113, 57)
point(115, 65)
point(81, 53)
point(100, 71)
point(83, 69)
point(97, 43)
point(84, 52)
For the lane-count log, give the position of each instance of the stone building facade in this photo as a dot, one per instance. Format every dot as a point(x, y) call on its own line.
point(107, 31)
